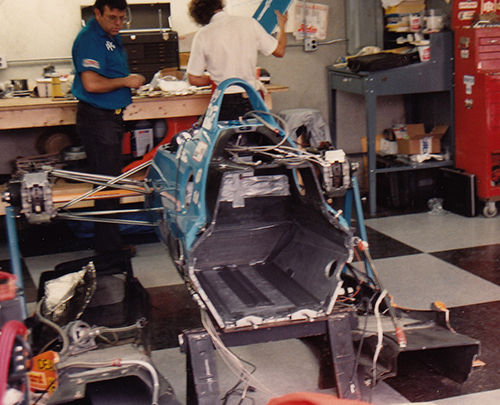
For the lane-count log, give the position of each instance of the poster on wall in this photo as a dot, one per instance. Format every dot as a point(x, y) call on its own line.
point(312, 23)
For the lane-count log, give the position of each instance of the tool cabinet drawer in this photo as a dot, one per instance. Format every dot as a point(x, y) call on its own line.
point(348, 82)
point(485, 42)
point(488, 52)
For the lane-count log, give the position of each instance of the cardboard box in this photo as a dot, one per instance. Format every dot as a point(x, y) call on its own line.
point(407, 7)
point(419, 142)
point(382, 145)
point(388, 147)
point(44, 86)
point(364, 144)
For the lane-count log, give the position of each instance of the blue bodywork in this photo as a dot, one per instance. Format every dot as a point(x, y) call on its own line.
point(174, 171)
point(245, 220)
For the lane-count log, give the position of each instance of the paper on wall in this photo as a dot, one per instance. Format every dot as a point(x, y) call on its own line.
point(315, 22)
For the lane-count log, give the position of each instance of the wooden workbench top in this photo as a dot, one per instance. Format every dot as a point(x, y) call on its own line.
point(63, 192)
point(47, 102)
point(36, 102)
point(29, 112)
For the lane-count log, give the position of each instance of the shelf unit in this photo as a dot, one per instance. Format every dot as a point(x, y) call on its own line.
point(428, 93)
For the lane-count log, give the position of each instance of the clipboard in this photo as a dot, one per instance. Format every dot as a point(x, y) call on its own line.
point(266, 16)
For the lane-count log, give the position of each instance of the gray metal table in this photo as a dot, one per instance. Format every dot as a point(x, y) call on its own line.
point(429, 98)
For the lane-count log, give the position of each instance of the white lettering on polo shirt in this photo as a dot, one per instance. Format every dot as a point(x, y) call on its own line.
point(110, 46)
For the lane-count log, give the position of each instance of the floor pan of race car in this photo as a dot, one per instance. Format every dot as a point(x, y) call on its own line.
point(261, 290)
point(271, 269)
point(271, 251)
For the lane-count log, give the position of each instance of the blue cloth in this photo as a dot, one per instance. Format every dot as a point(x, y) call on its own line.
point(95, 50)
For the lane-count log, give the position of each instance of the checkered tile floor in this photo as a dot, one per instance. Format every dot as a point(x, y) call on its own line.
point(420, 258)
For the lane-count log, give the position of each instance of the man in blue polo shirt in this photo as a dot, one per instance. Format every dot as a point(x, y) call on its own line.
point(103, 86)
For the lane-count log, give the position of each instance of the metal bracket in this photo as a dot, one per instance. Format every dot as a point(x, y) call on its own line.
point(344, 359)
point(202, 380)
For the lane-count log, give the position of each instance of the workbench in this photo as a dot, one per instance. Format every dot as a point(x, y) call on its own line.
point(427, 88)
point(29, 112)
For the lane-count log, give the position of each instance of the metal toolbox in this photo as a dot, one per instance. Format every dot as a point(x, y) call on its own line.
point(152, 51)
point(477, 110)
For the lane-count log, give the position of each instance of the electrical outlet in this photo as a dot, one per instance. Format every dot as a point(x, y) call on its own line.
point(310, 44)
point(3, 61)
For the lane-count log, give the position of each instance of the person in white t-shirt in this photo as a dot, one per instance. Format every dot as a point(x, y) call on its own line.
point(227, 47)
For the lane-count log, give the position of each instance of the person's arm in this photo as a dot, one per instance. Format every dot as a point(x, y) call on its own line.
point(93, 82)
point(199, 81)
point(279, 52)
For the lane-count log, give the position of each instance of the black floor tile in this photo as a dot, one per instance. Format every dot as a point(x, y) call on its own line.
point(483, 261)
point(65, 236)
point(383, 246)
point(173, 311)
point(419, 383)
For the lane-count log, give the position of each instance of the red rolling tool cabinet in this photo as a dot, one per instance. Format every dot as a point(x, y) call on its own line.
point(477, 108)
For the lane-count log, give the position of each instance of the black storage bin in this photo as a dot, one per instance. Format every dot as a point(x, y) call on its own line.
point(408, 188)
point(393, 189)
point(458, 189)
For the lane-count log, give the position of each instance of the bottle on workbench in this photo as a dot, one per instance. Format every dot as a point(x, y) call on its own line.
point(142, 138)
point(160, 129)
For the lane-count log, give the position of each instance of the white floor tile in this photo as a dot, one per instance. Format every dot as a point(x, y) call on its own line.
point(153, 266)
point(418, 280)
point(434, 233)
point(289, 366)
point(483, 398)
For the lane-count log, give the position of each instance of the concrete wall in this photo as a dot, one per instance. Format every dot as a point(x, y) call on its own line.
point(36, 33)
point(305, 74)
